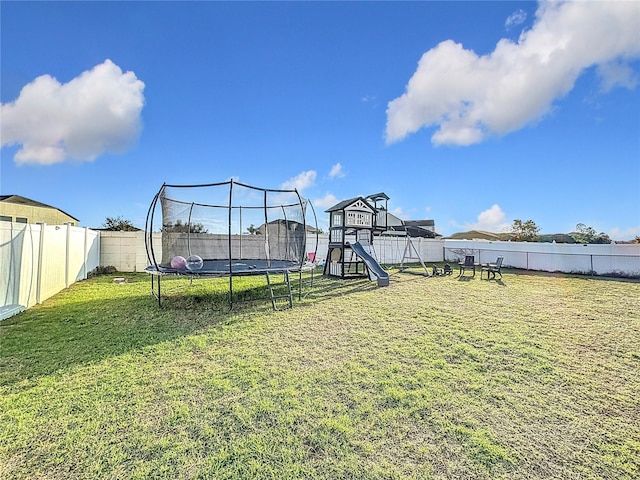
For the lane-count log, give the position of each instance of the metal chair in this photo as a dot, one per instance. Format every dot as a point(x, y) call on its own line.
point(493, 268)
point(468, 264)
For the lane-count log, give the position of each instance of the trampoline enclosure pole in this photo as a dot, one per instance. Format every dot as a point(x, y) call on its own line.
point(229, 244)
point(189, 229)
point(266, 231)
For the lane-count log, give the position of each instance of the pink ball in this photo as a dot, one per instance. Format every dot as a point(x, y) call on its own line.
point(178, 262)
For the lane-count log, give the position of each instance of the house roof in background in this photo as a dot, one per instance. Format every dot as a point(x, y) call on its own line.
point(309, 228)
point(479, 235)
point(414, 231)
point(420, 223)
point(20, 200)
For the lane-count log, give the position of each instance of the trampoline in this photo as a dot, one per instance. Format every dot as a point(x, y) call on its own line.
point(221, 268)
point(228, 229)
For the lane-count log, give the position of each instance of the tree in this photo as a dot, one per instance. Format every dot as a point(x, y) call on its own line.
point(524, 231)
point(180, 227)
point(253, 230)
point(584, 234)
point(119, 224)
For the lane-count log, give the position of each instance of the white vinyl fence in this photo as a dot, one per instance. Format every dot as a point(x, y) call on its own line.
point(37, 261)
point(619, 260)
point(126, 252)
point(392, 250)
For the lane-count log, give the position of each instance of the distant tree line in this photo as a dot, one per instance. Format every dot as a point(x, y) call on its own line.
point(521, 231)
point(528, 231)
point(179, 227)
point(119, 224)
point(585, 234)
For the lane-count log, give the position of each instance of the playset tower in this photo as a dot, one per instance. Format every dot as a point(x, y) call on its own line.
point(350, 221)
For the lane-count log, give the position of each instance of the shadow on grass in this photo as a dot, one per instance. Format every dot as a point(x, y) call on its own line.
point(414, 271)
point(53, 337)
point(251, 293)
point(580, 276)
point(327, 288)
point(95, 319)
point(464, 278)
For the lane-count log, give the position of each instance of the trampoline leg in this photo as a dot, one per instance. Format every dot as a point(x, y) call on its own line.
point(286, 275)
point(301, 284)
point(273, 300)
point(153, 289)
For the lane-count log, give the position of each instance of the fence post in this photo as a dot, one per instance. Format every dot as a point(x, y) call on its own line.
point(40, 257)
point(66, 257)
point(84, 257)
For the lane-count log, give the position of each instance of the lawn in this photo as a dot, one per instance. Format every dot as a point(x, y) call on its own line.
point(533, 376)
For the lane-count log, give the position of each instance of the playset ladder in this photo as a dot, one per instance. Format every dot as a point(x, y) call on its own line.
point(288, 295)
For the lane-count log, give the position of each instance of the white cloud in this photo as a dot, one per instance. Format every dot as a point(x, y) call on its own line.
point(470, 97)
point(300, 181)
point(336, 171)
point(95, 113)
point(398, 212)
point(516, 18)
point(490, 220)
point(329, 200)
point(627, 234)
point(617, 74)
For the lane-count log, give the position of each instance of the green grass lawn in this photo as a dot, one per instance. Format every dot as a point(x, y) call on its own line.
point(533, 376)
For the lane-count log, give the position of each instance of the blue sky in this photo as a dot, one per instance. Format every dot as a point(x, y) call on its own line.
point(469, 113)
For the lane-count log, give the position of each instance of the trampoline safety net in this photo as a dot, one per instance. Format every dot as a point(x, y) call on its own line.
point(227, 224)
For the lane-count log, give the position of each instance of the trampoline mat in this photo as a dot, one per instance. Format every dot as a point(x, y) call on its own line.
point(238, 267)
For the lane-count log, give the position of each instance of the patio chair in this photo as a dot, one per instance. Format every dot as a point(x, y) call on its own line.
point(493, 268)
point(468, 264)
